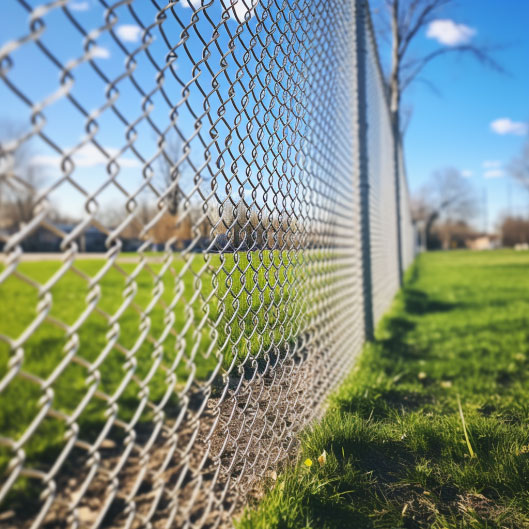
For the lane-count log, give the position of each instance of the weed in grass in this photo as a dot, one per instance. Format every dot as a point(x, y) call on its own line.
point(467, 440)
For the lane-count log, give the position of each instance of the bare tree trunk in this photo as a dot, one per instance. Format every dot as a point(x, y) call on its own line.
point(394, 85)
point(428, 228)
point(395, 124)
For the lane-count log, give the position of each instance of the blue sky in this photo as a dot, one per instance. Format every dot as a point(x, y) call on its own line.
point(89, 132)
point(449, 129)
point(454, 128)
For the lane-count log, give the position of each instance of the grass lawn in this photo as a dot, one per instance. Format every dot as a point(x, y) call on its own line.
point(164, 323)
point(395, 448)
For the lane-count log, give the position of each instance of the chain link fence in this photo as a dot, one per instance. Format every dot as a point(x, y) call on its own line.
point(201, 220)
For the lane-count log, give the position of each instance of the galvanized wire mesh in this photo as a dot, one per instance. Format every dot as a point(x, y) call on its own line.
point(382, 196)
point(409, 236)
point(183, 276)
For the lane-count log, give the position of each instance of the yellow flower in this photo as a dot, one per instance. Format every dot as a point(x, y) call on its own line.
point(308, 462)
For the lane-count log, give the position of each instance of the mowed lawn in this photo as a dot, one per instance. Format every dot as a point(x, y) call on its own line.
point(133, 334)
point(431, 430)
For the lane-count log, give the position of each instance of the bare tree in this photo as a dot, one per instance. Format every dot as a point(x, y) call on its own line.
point(514, 230)
point(170, 171)
point(454, 234)
point(174, 168)
point(404, 20)
point(519, 167)
point(20, 179)
point(447, 197)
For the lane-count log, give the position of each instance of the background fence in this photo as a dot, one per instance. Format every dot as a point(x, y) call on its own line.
point(233, 164)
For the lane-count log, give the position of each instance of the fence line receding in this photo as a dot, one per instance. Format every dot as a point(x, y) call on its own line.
point(198, 223)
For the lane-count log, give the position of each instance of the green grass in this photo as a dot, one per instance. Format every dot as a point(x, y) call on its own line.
point(400, 450)
point(220, 309)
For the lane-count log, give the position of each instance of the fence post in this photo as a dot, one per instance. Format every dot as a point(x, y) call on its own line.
point(396, 169)
point(362, 161)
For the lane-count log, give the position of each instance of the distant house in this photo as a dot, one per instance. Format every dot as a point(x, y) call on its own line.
point(222, 244)
point(521, 246)
point(44, 240)
point(483, 241)
point(90, 240)
point(4, 235)
point(199, 245)
point(131, 244)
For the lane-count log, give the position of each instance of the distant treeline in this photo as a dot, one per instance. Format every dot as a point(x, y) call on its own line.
point(226, 228)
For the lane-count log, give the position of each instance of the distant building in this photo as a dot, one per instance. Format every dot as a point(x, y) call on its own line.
point(483, 241)
point(46, 240)
point(521, 246)
point(222, 244)
point(90, 240)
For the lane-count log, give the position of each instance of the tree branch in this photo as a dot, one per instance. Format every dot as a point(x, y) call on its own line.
point(519, 167)
point(422, 20)
point(416, 66)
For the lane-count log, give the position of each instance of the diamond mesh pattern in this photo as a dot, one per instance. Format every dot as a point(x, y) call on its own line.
point(183, 279)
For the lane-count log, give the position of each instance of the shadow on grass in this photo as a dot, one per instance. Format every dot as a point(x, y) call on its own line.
point(418, 302)
point(382, 403)
point(394, 346)
point(397, 328)
point(338, 516)
point(395, 351)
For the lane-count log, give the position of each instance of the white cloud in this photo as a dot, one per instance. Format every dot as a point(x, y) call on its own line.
point(449, 33)
point(491, 164)
point(493, 169)
point(98, 52)
point(494, 173)
point(508, 126)
point(79, 6)
point(467, 173)
point(87, 156)
point(195, 3)
point(237, 9)
point(129, 32)
point(240, 8)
